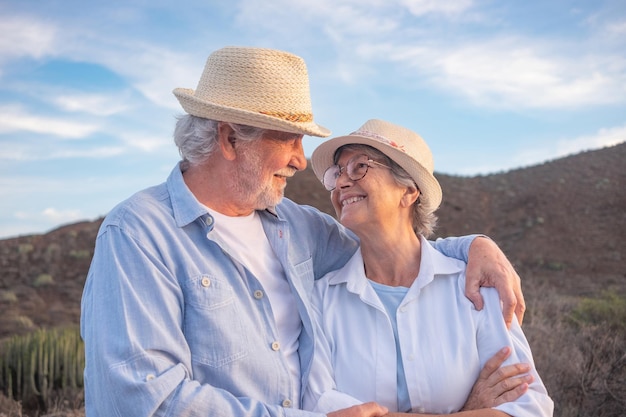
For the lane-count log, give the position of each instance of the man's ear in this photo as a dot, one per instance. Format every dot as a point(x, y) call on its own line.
point(226, 140)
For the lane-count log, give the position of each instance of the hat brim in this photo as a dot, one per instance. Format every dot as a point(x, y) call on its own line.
point(430, 189)
point(201, 108)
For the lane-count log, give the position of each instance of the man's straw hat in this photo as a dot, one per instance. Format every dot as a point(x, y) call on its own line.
point(257, 87)
point(401, 145)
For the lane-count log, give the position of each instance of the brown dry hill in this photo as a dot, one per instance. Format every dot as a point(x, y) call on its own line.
point(562, 223)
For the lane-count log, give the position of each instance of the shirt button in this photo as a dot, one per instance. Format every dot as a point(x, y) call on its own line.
point(286, 403)
point(209, 221)
point(402, 309)
point(258, 294)
point(150, 377)
point(205, 282)
point(275, 346)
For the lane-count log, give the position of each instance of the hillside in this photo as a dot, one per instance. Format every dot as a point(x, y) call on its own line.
point(561, 223)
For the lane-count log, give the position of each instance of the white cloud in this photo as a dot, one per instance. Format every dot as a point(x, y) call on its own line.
point(152, 70)
point(616, 28)
point(25, 36)
point(494, 63)
point(560, 148)
point(15, 119)
point(149, 67)
point(537, 154)
point(340, 21)
point(43, 152)
point(508, 72)
point(513, 73)
point(49, 216)
point(62, 216)
point(97, 104)
point(156, 74)
point(602, 138)
point(145, 142)
point(448, 7)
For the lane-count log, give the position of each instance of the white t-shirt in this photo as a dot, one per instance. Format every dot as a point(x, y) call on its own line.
point(247, 242)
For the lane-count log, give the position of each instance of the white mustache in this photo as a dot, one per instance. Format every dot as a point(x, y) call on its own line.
point(286, 173)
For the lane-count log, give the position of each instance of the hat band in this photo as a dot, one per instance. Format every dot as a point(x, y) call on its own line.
point(291, 117)
point(380, 138)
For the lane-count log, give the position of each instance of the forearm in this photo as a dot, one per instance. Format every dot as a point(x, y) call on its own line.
point(455, 247)
point(484, 412)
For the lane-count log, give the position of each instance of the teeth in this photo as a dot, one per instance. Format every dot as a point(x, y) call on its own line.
point(351, 200)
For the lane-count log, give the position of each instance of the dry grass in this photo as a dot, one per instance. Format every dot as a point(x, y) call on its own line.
point(582, 363)
point(69, 404)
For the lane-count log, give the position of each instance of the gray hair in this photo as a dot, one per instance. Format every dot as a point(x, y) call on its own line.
point(424, 221)
point(196, 137)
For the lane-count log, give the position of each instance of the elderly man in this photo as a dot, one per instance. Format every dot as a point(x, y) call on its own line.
point(197, 299)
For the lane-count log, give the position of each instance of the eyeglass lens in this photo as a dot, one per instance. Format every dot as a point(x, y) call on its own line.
point(356, 169)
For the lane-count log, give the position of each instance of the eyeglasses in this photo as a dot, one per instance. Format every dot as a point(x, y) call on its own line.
point(356, 168)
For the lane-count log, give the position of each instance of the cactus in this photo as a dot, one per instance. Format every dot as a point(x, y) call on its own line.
point(32, 366)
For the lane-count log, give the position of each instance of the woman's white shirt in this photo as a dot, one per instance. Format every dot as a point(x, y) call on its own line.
point(444, 342)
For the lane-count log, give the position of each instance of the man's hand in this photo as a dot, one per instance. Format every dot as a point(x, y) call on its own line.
point(487, 266)
point(496, 385)
point(370, 409)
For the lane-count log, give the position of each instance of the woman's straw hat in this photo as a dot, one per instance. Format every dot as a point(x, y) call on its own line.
point(401, 145)
point(257, 87)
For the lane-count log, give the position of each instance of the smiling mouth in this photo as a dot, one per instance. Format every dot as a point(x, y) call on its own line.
point(351, 200)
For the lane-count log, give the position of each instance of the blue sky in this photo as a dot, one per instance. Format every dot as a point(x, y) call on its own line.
point(87, 111)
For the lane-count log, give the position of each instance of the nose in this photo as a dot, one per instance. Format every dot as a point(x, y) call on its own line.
point(298, 160)
point(343, 180)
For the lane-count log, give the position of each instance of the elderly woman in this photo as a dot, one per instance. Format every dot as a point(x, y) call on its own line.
point(396, 326)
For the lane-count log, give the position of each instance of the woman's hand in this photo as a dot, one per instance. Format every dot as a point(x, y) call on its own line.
point(487, 266)
point(497, 385)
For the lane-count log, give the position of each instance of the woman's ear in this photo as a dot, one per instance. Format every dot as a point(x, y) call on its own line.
point(226, 140)
point(410, 196)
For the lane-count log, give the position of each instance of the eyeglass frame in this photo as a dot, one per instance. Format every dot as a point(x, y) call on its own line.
point(343, 169)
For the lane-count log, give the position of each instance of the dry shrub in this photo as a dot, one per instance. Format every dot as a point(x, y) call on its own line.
point(9, 407)
point(580, 351)
point(68, 405)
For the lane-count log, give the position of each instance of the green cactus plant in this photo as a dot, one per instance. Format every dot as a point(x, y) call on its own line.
point(34, 365)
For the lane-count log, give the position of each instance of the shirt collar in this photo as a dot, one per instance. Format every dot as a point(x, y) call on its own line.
point(433, 264)
point(185, 206)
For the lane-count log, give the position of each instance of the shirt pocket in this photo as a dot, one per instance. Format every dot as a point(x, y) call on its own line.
point(305, 278)
point(212, 324)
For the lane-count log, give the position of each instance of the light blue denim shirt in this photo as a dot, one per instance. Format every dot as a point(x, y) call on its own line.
point(175, 326)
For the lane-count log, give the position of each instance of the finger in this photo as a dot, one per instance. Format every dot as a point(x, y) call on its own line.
point(520, 309)
point(509, 384)
point(509, 302)
point(520, 388)
point(510, 371)
point(472, 292)
point(493, 364)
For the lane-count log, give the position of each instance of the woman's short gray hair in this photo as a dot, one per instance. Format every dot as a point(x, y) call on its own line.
point(196, 137)
point(424, 222)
